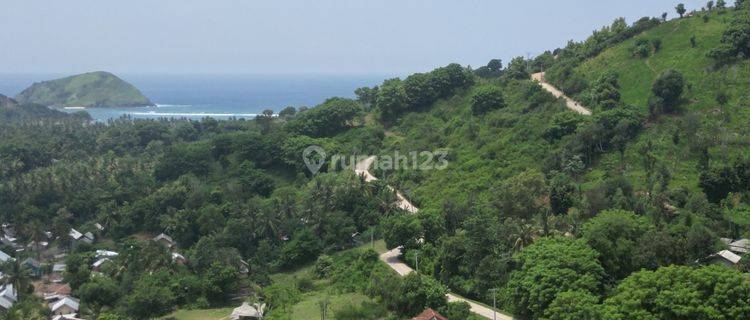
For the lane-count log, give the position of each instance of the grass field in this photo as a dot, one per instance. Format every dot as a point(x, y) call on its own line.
point(201, 314)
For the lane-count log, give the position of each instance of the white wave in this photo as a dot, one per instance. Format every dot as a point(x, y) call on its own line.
point(177, 114)
point(159, 105)
point(75, 108)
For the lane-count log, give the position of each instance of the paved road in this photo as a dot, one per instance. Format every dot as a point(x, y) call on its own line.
point(570, 103)
point(391, 257)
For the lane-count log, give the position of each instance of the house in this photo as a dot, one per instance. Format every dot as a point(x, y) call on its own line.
point(724, 257)
point(65, 306)
point(96, 266)
point(4, 257)
point(66, 317)
point(178, 258)
point(165, 240)
point(429, 314)
point(106, 254)
point(8, 296)
point(740, 246)
point(78, 236)
point(247, 311)
point(34, 266)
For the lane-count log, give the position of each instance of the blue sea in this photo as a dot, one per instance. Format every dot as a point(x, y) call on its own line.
point(217, 96)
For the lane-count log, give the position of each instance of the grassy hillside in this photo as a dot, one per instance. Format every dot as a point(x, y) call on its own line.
point(482, 150)
point(700, 122)
point(89, 90)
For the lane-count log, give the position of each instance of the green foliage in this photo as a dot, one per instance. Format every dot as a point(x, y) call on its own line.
point(615, 235)
point(735, 42)
point(680, 9)
point(680, 292)
point(487, 99)
point(668, 88)
point(574, 305)
point(548, 268)
point(420, 90)
point(90, 90)
point(333, 116)
point(402, 229)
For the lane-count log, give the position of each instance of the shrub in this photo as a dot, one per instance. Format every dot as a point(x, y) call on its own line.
point(487, 99)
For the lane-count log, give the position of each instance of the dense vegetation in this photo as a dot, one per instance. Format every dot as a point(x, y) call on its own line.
point(555, 214)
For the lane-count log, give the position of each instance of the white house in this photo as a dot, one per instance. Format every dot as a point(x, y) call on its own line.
point(4, 257)
point(725, 257)
point(246, 311)
point(65, 306)
point(8, 296)
point(165, 240)
point(78, 236)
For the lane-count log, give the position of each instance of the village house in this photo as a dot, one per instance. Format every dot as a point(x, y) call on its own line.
point(65, 306)
point(34, 266)
point(429, 314)
point(247, 311)
point(8, 296)
point(724, 257)
point(178, 258)
point(4, 257)
point(165, 240)
point(96, 266)
point(78, 236)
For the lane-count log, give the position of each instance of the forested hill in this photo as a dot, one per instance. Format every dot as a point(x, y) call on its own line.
point(14, 113)
point(555, 214)
point(88, 90)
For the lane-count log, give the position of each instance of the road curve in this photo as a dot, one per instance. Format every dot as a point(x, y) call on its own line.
point(570, 103)
point(391, 257)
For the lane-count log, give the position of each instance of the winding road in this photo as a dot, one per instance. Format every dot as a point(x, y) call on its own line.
point(390, 258)
point(570, 103)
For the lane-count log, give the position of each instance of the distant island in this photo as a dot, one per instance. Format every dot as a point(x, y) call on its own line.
point(89, 90)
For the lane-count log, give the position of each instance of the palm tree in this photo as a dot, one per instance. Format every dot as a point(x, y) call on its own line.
point(17, 275)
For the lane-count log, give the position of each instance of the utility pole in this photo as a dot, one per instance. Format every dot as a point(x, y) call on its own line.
point(416, 260)
point(493, 291)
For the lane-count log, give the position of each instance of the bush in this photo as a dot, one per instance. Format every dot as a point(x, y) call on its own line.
point(305, 285)
point(669, 87)
point(487, 99)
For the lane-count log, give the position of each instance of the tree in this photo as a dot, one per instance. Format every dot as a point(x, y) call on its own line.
point(487, 99)
point(562, 193)
point(401, 230)
point(574, 305)
point(151, 296)
point(668, 88)
point(418, 292)
point(681, 292)
point(495, 65)
point(391, 99)
point(287, 112)
point(680, 9)
point(99, 292)
point(523, 195)
point(517, 69)
point(721, 4)
point(615, 234)
point(664, 17)
point(546, 269)
point(710, 5)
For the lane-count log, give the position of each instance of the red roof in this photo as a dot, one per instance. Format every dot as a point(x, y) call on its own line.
point(429, 314)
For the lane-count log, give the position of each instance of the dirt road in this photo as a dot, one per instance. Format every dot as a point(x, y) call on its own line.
point(391, 257)
point(570, 103)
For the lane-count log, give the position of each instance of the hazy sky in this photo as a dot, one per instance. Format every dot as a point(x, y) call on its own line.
point(286, 36)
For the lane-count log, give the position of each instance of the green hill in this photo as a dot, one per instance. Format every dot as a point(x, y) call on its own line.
point(88, 90)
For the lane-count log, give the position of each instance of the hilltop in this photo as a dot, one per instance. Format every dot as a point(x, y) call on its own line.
point(88, 90)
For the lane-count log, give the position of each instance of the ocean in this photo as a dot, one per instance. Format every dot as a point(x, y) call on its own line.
point(216, 96)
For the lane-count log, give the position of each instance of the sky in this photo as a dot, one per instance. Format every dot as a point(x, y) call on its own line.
point(294, 36)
